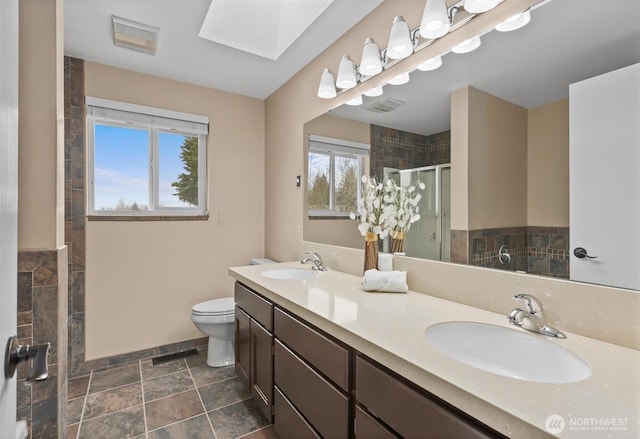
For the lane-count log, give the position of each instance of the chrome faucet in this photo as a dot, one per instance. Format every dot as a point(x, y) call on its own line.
point(315, 259)
point(532, 317)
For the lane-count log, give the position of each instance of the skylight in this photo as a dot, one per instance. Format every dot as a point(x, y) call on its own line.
point(262, 27)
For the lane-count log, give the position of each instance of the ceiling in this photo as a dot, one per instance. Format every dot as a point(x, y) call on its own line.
point(184, 56)
point(565, 42)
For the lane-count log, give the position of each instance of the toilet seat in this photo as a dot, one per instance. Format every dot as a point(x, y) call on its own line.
point(215, 307)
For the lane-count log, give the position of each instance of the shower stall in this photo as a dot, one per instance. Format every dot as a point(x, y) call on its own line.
point(429, 238)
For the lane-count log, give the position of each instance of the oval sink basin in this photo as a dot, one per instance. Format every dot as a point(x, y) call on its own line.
point(508, 352)
point(290, 273)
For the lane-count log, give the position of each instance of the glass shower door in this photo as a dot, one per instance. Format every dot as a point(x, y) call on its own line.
point(429, 238)
point(422, 239)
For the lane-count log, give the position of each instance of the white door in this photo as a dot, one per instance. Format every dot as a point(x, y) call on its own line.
point(604, 152)
point(8, 202)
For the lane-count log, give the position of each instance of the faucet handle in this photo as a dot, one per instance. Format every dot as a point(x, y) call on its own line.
point(532, 303)
point(315, 255)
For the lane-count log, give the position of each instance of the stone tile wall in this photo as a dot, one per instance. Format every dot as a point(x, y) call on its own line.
point(404, 150)
point(42, 318)
point(536, 250)
point(75, 217)
point(548, 251)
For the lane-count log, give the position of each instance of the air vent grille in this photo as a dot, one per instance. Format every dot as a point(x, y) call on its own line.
point(384, 106)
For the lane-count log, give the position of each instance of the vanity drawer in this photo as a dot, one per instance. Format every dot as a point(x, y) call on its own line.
point(260, 309)
point(325, 407)
point(322, 353)
point(368, 428)
point(409, 413)
point(288, 422)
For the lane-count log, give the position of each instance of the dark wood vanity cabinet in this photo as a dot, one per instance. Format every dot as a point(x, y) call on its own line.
point(311, 377)
point(387, 407)
point(312, 386)
point(254, 346)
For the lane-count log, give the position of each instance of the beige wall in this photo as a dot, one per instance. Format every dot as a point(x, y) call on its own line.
point(548, 165)
point(295, 103)
point(332, 231)
point(41, 126)
point(460, 159)
point(497, 162)
point(143, 277)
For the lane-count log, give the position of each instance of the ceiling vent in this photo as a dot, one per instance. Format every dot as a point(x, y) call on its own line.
point(135, 36)
point(385, 106)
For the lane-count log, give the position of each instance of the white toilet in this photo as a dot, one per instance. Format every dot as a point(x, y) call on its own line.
point(216, 318)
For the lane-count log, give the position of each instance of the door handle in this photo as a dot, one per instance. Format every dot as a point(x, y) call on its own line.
point(16, 354)
point(581, 252)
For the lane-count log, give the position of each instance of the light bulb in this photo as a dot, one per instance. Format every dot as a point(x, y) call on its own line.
point(431, 64)
point(400, 45)
point(435, 20)
point(355, 101)
point(478, 6)
point(467, 46)
point(402, 78)
point(327, 89)
point(370, 64)
point(515, 22)
point(375, 91)
point(346, 74)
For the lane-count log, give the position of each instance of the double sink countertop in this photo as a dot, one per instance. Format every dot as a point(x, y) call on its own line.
point(390, 328)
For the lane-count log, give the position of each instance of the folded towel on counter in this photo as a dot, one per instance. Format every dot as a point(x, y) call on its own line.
point(385, 281)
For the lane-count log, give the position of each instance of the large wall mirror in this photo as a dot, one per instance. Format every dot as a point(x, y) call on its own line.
point(505, 189)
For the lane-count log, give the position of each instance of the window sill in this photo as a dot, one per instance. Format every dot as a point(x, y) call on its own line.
point(204, 217)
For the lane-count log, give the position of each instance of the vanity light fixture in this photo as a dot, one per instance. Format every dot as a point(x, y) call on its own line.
point(400, 41)
point(355, 101)
point(402, 78)
point(375, 91)
point(327, 88)
point(435, 19)
point(347, 77)
point(467, 45)
point(430, 64)
point(515, 22)
point(371, 62)
point(478, 6)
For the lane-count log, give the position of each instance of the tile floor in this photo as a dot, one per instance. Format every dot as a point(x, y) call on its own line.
point(181, 399)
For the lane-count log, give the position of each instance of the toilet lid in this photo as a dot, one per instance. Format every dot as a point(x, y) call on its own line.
point(215, 307)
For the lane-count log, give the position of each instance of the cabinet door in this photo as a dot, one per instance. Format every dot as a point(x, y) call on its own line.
point(262, 367)
point(243, 346)
point(409, 413)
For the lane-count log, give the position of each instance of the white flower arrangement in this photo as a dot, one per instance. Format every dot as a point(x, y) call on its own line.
point(401, 204)
point(373, 217)
point(387, 208)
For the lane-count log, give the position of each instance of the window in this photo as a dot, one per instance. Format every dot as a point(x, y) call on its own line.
point(145, 161)
point(335, 169)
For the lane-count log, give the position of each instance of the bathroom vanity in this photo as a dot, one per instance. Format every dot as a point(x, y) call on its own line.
point(323, 358)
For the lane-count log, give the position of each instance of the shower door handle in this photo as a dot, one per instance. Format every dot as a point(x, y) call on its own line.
point(581, 253)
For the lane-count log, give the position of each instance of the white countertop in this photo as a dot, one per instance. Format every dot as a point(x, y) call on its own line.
point(389, 328)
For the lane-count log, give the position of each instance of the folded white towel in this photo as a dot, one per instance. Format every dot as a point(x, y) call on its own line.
point(385, 281)
point(385, 262)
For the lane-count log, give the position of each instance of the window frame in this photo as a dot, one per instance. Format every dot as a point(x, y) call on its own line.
point(155, 121)
point(336, 148)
